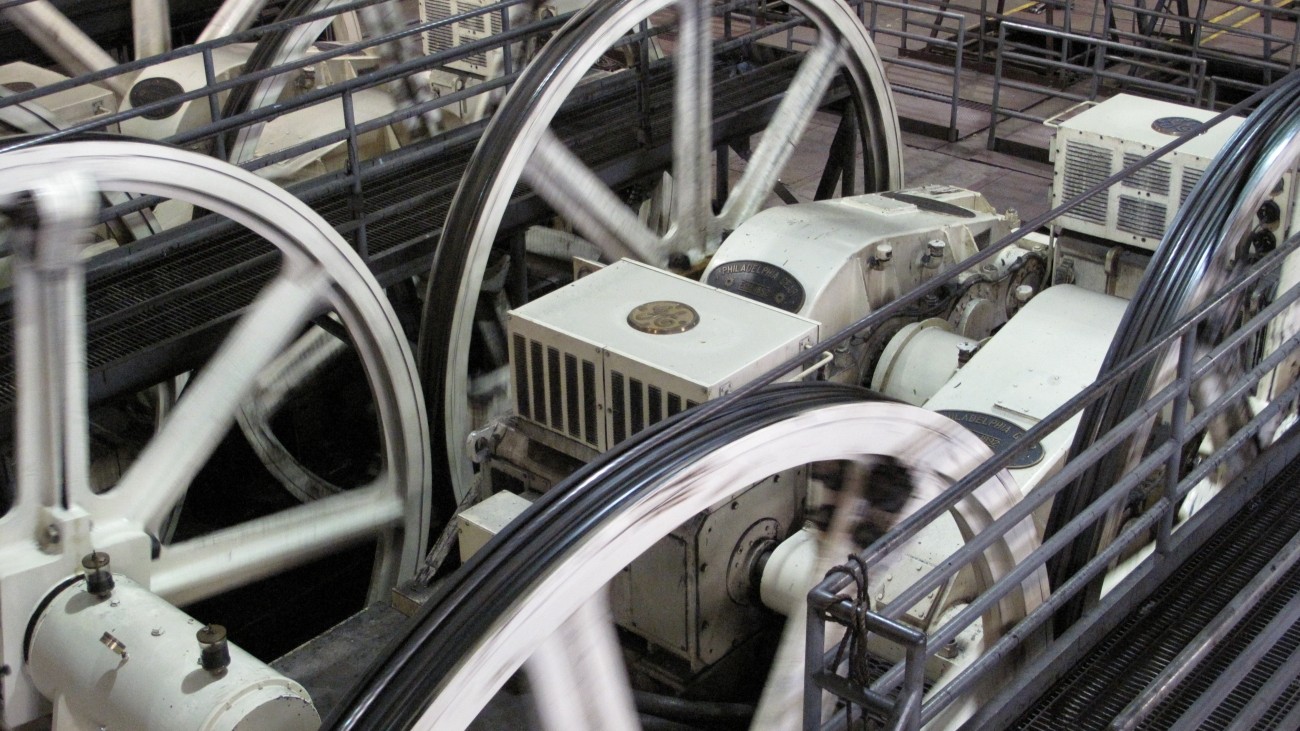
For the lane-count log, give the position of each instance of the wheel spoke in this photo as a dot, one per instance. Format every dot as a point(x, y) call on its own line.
point(692, 126)
point(151, 27)
point(583, 654)
point(814, 77)
point(52, 438)
point(64, 42)
point(203, 567)
point(163, 471)
point(578, 194)
point(232, 17)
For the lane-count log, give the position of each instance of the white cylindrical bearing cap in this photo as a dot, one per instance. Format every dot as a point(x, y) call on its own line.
point(130, 661)
point(789, 573)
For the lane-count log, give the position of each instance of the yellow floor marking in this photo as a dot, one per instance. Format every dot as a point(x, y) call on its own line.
point(1241, 22)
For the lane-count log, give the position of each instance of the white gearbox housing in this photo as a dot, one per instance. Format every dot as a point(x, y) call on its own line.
point(1051, 350)
point(630, 345)
point(835, 261)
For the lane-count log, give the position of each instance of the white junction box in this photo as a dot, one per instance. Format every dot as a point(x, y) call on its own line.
point(453, 35)
point(630, 345)
point(1116, 133)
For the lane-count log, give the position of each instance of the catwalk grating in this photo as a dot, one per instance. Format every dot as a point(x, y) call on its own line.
point(1130, 657)
point(154, 307)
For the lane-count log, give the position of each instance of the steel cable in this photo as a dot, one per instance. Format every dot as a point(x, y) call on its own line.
point(1192, 258)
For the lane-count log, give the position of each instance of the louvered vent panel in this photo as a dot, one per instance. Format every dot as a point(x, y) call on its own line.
point(571, 395)
point(1085, 166)
point(636, 404)
point(589, 403)
point(1153, 178)
point(1141, 217)
point(618, 406)
point(655, 399)
point(674, 404)
point(537, 375)
point(553, 389)
point(1191, 176)
point(520, 360)
point(438, 39)
point(449, 36)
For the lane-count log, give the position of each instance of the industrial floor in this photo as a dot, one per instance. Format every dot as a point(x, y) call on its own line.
point(1009, 182)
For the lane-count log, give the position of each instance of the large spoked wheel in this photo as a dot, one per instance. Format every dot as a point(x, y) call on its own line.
point(319, 275)
point(519, 145)
point(534, 598)
point(1207, 247)
point(151, 27)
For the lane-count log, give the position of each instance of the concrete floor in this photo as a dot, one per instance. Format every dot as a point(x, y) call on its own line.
point(1008, 182)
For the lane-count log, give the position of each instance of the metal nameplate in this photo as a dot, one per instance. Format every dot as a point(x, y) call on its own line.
point(761, 282)
point(998, 433)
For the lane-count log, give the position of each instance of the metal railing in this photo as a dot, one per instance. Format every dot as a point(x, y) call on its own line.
point(906, 31)
point(1111, 63)
point(897, 694)
point(212, 135)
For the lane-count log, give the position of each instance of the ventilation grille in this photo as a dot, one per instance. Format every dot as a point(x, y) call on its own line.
point(1085, 166)
point(555, 389)
point(1191, 176)
point(1153, 178)
point(1141, 217)
point(441, 38)
point(635, 406)
point(449, 36)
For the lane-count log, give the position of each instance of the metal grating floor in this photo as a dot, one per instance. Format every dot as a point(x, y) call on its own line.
point(1123, 663)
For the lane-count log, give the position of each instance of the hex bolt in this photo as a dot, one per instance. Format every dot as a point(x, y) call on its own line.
point(1023, 293)
point(214, 653)
point(966, 349)
point(99, 579)
point(934, 251)
point(883, 255)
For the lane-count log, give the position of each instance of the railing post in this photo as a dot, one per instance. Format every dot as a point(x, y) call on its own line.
point(814, 665)
point(357, 205)
point(997, 86)
point(214, 109)
point(507, 59)
point(1178, 437)
point(956, 78)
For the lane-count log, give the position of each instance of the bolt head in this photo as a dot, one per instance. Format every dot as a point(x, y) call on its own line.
point(210, 634)
point(94, 561)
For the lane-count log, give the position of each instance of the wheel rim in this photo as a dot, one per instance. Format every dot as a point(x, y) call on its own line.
point(1193, 263)
point(518, 145)
point(319, 273)
point(499, 607)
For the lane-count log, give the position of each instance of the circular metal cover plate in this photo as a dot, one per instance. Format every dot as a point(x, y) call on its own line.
point(663, 317)
point(153, 90)
point(1174, 126)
